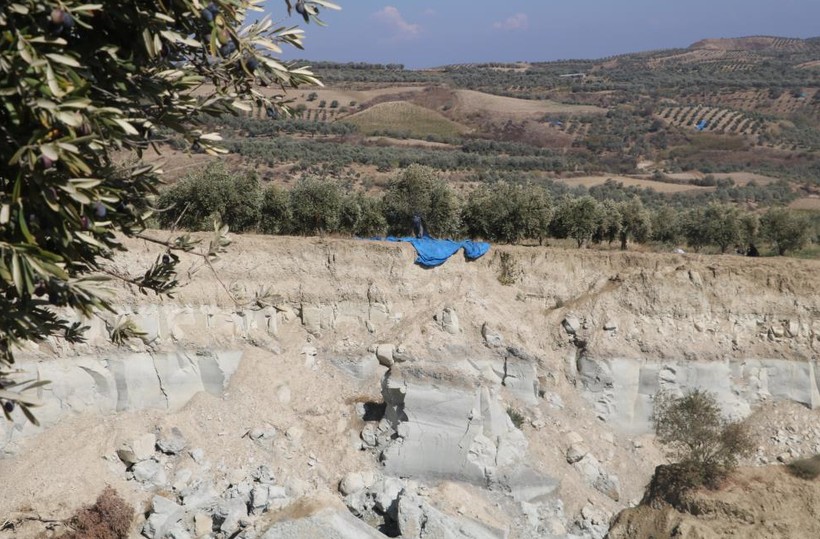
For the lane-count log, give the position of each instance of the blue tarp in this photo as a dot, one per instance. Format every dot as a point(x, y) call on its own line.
point(434, 252)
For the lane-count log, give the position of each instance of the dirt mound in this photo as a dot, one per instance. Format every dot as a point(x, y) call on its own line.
point(756, 503)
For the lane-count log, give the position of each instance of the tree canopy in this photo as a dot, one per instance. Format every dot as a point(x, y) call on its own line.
point(79, 82)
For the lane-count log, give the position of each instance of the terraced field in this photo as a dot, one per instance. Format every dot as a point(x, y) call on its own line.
point(718, 119)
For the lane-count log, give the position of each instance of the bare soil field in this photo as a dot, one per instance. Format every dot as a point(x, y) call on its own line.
point(807, 203)
point(469, 101)
point(409, 142)
point(661, 187)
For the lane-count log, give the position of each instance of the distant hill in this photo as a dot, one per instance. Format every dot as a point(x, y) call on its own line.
point(757, 43)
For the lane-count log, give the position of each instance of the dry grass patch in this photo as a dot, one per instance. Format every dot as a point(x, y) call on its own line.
point(400, 116)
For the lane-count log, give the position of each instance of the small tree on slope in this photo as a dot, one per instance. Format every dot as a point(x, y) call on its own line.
point(704, 445)
point(81, 81)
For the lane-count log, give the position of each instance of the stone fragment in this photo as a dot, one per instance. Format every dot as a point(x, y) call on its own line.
point(384, 353)
point(401, 354)
point(448, 320)
point(328, 523)
point(198, 455)
point(164, 516)
point(610, 325)
point(491, 337)
point(265, 432)
point(150, 471)
point(312, 318)
point(203, 524)
point(229, 513)
point(260, 497)
point(351, 483)
point(263, 475)
point(172, 443)
point(609, 485)
point(576, 452)
point(138, 449)
point(571, 325)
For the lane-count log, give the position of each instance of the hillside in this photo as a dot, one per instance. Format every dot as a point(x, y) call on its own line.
point(666, 122)
point(502, 398)
point(756, 43)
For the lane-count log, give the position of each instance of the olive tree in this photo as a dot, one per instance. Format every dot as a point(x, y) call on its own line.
point(80, 82)
point(723, 225)
point(577, 218)
point(785, 229)
point(213, 193)
point(507, 212)
point(419, 190)
point(636, 222)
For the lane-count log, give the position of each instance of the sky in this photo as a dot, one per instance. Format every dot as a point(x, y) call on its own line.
point(427, 33)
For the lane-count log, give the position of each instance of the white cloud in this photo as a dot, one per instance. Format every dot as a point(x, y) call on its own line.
point(519, 21)
point(393, 19)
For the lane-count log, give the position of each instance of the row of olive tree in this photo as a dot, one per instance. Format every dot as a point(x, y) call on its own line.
point(500, 212)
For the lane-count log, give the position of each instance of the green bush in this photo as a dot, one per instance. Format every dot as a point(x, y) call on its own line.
point(705, 445)
point(315, 206)
point(212, 193)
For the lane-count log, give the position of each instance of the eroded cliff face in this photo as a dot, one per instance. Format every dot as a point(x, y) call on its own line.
point(414, 397)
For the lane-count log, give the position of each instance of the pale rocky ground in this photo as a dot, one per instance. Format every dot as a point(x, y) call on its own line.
point(376, 389)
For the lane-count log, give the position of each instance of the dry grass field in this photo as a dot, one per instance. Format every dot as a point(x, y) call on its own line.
point(807, 203)
point(472, 102)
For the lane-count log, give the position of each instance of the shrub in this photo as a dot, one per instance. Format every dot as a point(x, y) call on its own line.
point(516, 417)
point(705, 445)
point(808, 468)
point(109, 518)
point(212, 193)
